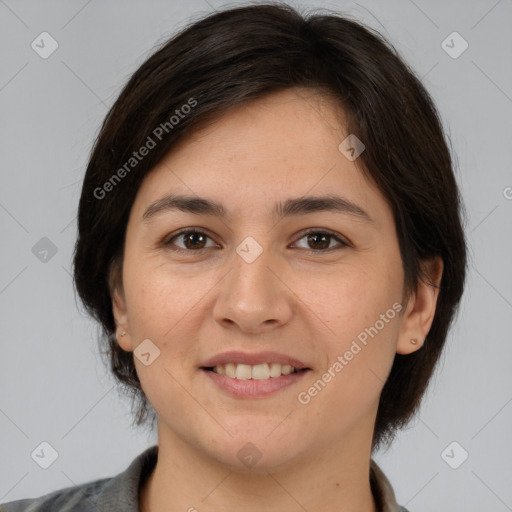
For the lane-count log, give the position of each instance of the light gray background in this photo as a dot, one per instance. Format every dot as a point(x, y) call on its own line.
point(54, 386)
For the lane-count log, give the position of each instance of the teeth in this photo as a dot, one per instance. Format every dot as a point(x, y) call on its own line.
point(257, 372)
point(275, 370)
point(243, 371)
point(286, 369)
point(260, 371)
point(230, 370)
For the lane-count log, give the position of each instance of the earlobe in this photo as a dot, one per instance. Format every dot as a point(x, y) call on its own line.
point(419, 315)
point(121, 319)
point(119, 311)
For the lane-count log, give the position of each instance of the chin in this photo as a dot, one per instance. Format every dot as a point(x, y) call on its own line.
point(257, 448)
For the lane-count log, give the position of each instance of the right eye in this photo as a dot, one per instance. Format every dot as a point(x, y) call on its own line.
point(192, 239)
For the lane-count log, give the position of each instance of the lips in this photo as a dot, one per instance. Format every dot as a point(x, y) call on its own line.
point(244, 375)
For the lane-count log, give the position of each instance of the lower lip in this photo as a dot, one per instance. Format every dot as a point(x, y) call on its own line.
point(252, 388)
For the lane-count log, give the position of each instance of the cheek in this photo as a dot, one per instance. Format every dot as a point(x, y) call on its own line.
point(360, 352)
point(356, 311)
point(158, 299)
point(167, 307)
point(159, 307)
point(349, 298)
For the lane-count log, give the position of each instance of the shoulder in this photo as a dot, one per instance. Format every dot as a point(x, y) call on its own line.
point(118, 493)
point(383, 491)
point(81, 498)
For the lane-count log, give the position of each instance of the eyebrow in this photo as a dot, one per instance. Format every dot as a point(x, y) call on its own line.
point(291, 207)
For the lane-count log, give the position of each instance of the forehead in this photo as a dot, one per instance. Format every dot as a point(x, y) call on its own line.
point(264, 151)
point(283, 126)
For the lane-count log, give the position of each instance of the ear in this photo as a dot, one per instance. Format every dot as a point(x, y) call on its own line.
point(119, 308)
point(421, 308)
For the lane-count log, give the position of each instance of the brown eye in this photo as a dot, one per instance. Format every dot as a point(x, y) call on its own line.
point(321, 241)
point(192, 240)
point(316, 241)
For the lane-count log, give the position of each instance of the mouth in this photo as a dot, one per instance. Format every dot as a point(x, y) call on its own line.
point(243, 375)
point(263, 371)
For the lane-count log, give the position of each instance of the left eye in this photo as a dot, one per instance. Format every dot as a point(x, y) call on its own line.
point(322, 239)
point(196, 240)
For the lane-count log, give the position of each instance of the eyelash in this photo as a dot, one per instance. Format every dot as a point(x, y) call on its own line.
point(187, 231)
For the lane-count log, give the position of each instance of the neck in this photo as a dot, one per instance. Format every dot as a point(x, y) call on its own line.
point(185, 479)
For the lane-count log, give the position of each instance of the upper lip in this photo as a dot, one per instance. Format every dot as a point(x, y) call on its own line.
point(238, 357)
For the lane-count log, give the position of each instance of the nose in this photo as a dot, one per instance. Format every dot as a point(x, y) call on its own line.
point(253, 296)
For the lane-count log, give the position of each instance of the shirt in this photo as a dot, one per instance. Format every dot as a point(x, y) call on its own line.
point(121, 493)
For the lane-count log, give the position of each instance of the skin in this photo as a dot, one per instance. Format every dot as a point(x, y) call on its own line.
point(292, 299)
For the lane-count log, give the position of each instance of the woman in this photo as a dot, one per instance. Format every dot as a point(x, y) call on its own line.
point(270, 237)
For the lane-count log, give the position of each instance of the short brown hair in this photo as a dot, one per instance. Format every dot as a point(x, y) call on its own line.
point(236, 55)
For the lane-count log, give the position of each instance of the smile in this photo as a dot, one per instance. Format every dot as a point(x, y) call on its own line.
point(262, 371)
point(253, 387)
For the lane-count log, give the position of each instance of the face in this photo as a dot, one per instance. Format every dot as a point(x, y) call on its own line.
point(310, 284)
